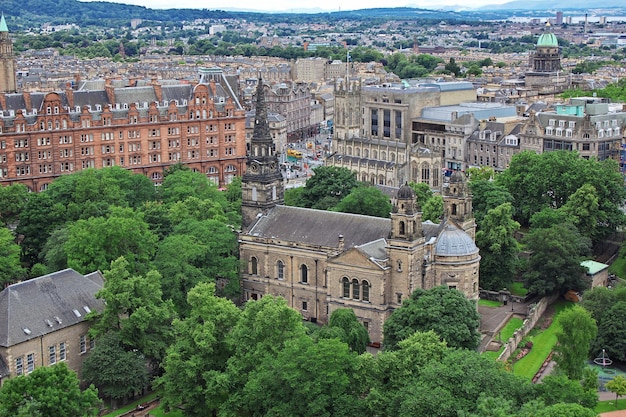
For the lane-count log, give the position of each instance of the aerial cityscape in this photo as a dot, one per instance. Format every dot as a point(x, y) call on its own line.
point(303, 210)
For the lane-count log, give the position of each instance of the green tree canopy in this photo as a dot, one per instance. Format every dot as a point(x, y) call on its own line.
point(446, 311)
point(366, 200)
point(118, 373)
point(618, 386)
point(196, 361)
point(48, 391)
point(577, 331)
point(344, 325)
point(556, 254)
point(327, 187)
point(198, 251)
point(135, 311)
point(487, 195)
point(548, 180)
point(498, 248)
point(10, 267)
point(95, 242)
point(13, 199)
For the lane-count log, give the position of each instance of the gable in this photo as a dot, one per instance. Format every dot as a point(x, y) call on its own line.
point(43, 305)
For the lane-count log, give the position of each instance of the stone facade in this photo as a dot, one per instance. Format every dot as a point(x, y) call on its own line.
point(320, 261)
point(43, 321)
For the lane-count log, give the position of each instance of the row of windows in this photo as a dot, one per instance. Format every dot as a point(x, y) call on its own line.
point(355, 289)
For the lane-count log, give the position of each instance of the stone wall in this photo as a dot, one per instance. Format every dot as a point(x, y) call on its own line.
point(535, 311)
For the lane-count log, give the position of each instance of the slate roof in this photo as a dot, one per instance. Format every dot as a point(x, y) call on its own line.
point(43, 305)
point(320, 227)
point(454, 242)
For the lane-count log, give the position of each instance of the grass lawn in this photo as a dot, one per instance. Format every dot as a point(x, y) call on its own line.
point(607, 406)
point(518, 289)
point(618, 267)
point(543, 343)
point(132, 405)
point(489, 303)
point(507, 331)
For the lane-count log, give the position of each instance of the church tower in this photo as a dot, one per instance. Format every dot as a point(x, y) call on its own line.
point(7, 60)
point(262, 183)
point(347, 119)
point(405, 247)
point(457, 202)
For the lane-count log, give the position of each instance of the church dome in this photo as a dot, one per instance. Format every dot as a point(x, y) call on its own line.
point(548, 38)
point(453, 241)
point(405, 192)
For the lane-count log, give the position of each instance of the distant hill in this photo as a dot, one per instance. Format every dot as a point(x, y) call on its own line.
point(25, 14)
point(555, 5)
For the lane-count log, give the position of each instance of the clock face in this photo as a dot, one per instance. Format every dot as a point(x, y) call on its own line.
point(254, 167)
point(273, 166)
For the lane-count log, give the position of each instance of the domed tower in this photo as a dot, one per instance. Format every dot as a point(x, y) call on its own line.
point(456, 261)
point(262, 184)
point(7, 60)
point(547, 57)
point(405, 246)
point(545, 63)
point(457, 203)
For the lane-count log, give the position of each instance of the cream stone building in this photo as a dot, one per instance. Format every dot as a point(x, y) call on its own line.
point(42, 321)
point(320, 261)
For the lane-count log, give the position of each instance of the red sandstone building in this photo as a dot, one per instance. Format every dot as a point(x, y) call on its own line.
point(144, 126)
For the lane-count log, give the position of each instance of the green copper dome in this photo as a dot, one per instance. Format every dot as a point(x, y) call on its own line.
point(548, 38)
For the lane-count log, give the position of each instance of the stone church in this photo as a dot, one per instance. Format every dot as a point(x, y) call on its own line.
point(320, 261)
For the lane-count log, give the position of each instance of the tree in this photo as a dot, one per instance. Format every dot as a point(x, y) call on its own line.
point(48, 391)
point(618, 386)
point(547, 180)
point(487, 195)
point(582, 209)
point(446, 311)
point(423, 193)
point(304, 379)
point(577, 330)
point(612, 332)
point(556, 254)
point(196, 361)
point(498, 248)
point(368, 200)
point(327, 187)
point(555, 389)
point(95, 242)
point(118, 373)
point(432, 209)
point(344, 325)
point(135, 311)
point(453, 67)
point(182, 183)
point(198, 251)
point(10, 268)
point(13, 199)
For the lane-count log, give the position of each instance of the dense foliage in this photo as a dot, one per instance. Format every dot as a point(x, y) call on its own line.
point(48, 391)
point(446, 311)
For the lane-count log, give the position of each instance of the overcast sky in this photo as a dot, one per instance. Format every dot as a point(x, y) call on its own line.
point(291, 5)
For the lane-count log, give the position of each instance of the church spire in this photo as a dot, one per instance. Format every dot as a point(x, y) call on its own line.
point(3, 24)
point(261, 131)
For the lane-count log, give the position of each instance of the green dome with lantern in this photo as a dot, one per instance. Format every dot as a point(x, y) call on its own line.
point(548, 38)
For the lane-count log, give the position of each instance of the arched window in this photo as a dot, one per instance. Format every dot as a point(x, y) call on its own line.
point(254, 264)
point(304, 274)
point(280, 269)
point(345, 283)
point(453, 209)
point(401, 228)
point(366, 290)
point(355, 289)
